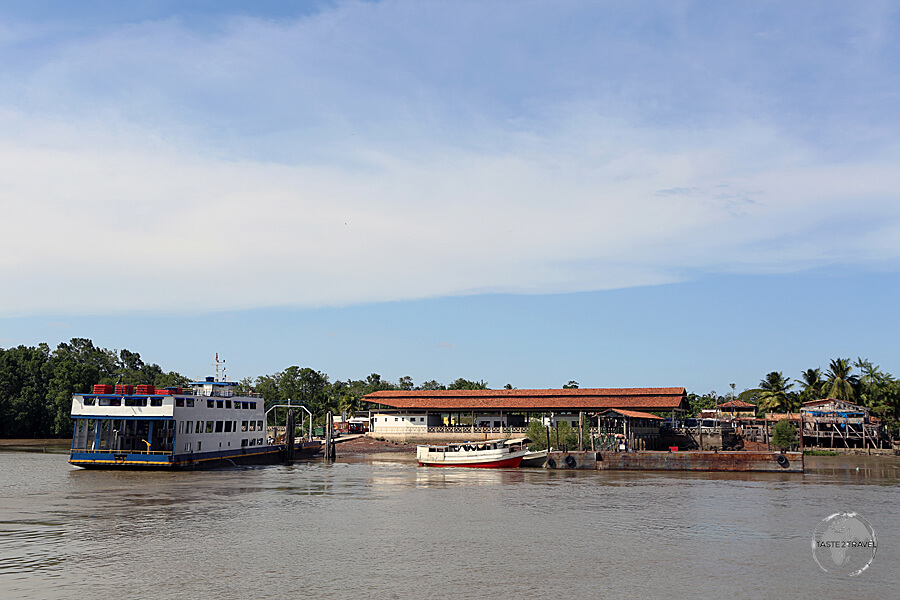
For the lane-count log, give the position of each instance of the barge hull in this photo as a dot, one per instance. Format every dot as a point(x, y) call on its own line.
point(772, 462)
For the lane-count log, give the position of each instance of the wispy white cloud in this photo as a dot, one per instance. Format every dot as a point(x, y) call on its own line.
point(402, 150)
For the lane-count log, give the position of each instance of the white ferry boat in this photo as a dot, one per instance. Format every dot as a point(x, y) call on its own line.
point(493, 454)
point(123, 427)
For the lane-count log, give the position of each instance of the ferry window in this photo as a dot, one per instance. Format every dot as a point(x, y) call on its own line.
point(188, 426)
point(190, 403)
point(220, 403)
point(237, 405)
point(243, 425)
point(395, 418)
point(227, 426)
point(259, 425)
point(88, 401)
point(252, 425)
point(244, 442)
point(209, 427)
point(187, 447)
point(199, 445)
point(199, 427)
point(252, 441)
point(253, 405)
point(179, 402)
point(180, 426)
point(210, 404)
point(259, 442)
point(155, 401)
point(228, 404)
point(218, 426)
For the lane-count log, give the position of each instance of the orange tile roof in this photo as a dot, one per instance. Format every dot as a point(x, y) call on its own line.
point(736, 404)
point(634, 414)
point(533, 400)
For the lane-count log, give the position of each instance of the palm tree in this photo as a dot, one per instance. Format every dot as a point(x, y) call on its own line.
point(774, 396)
point(349, 404)
point(841, 384)
point(812, 384)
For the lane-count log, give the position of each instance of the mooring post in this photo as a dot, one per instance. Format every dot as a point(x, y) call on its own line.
point(580, 431)
point(329, 436)
point(289, 435)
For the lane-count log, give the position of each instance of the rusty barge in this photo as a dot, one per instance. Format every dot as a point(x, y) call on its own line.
point(771, 462)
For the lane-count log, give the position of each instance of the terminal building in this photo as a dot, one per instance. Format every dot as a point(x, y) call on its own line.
point(427, 416)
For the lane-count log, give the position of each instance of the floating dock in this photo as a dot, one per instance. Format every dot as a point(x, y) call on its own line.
point(771, 462)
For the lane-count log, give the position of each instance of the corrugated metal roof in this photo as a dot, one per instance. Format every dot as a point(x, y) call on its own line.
point(544, 399)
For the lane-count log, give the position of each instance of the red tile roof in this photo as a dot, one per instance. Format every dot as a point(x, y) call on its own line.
point(661, 399)
point(634, 414)
point(736, 404)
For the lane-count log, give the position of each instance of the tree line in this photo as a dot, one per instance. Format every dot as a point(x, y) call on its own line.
point(37, 383)
point(861, 382)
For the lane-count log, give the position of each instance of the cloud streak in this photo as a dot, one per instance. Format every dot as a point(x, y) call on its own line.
point(389, 151)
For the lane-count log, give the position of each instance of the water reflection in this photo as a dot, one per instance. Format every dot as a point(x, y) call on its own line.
point(382, 526)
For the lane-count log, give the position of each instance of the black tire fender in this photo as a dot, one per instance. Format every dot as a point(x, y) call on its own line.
point(571, 462)
point(551, 463)
point(782, 461)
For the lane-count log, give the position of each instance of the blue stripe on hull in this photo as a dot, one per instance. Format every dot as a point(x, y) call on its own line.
point(197, 460)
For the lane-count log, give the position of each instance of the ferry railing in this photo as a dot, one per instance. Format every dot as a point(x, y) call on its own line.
point(113, 451)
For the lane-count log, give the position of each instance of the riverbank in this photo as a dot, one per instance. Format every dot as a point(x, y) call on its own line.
point(367, 445)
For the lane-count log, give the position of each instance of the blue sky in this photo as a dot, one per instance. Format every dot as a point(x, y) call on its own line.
point(671, 193)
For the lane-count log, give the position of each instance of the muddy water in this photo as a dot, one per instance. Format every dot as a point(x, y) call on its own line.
point(378, 526)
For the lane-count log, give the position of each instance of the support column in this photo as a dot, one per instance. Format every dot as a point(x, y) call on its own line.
point(149, 435)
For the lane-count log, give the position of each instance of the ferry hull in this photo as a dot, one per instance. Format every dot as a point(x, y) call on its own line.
point(189, 462)
point(504, 463)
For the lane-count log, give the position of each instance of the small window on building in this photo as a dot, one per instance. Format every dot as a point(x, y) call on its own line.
point(228, 404)
point(253, 405)
point(220, 403)
point(210, 404)
point(190, 403)
point(179, 402)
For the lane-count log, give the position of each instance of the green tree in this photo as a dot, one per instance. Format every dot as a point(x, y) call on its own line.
point(784, 434)
point(841, 383)
point(465, 384)
point(774, 396)
point(813, 385)
point(572, 385)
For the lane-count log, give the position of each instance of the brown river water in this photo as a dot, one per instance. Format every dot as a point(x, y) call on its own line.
point(378, 526)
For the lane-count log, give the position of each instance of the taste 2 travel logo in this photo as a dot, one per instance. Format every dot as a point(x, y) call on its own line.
point(844, 544)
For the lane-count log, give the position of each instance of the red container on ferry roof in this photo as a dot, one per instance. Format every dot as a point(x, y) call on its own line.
point(124, 389)
point(103, 388)
point(168, 391)
point(144, 389)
